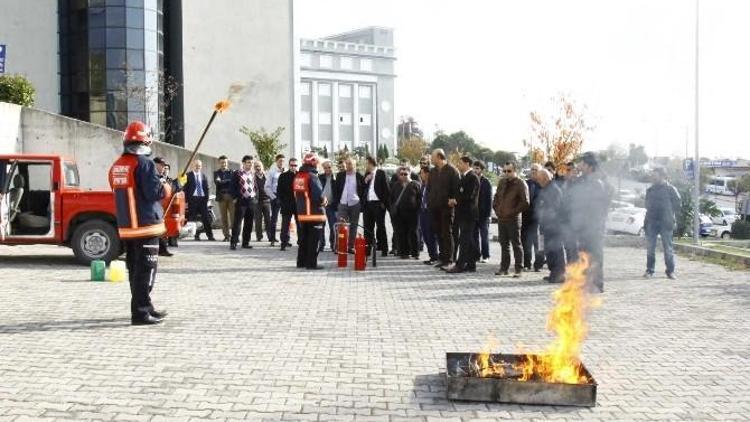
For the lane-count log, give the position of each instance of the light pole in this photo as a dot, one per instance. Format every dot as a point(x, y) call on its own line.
point(697, 164)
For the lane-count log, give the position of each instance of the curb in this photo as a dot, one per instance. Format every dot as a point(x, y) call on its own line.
point(707, 252)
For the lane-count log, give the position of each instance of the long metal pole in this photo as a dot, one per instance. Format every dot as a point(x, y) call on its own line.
point(697, 163)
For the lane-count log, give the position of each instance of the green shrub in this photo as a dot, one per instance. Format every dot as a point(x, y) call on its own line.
point(16, 89)
point(741, 230)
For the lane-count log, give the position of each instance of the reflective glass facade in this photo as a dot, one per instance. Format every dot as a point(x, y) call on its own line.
point(112, 61)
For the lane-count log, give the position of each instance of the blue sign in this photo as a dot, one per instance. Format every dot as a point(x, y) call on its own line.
point(2, 58)
point(688, 168)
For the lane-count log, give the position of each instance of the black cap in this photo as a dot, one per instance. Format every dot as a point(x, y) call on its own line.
point(160, 160)
point(590, 159)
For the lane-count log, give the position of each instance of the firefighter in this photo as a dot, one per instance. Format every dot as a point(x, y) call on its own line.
point(140, 218)
point(310, 202)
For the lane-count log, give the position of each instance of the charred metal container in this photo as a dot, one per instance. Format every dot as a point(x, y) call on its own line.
point(462, 383)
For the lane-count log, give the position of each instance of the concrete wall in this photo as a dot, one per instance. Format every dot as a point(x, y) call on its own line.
point(93, 147)
point(29, 30)
point(228, 41)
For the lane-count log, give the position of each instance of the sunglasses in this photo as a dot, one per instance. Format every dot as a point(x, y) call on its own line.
point(507, 171)
point(404, 174)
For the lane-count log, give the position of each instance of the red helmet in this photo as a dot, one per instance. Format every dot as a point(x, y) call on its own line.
point(137, 133)
point(311, 159)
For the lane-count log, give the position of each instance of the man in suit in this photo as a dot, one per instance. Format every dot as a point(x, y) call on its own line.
point(377, 198)
point(530, 226)
point(348, 197)
point(197, 191)
point(467, 214)
point(482, 234)
point(442, 194)
point(245, 192)
point(272, 182)
point(406, 198)
point(287, 205)
point(223, 181)
point(327, 181)
point(425, 219)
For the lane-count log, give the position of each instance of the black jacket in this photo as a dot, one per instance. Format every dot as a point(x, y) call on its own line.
point(382, 189)
point(338, 187)
point(284, 192)
point(410, 200)
point(485, 198)
point(467, 208)
point(547, 209)
point(190, 185)
point(223, 181)
point(260, 182)
point(528, 217)
point(663, 202)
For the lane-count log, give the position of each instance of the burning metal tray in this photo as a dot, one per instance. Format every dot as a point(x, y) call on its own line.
point(465, 384)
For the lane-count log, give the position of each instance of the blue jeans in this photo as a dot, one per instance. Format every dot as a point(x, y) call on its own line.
point(652, 231)
point(482, 236)
point(428, 235)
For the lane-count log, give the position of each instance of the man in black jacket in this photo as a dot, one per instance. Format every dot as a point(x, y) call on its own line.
point(406, 196)
point(442, 193)
point(327, 181)
point(663, 202)
point(285, 195)
point(547, 210)
point(349, 197)
point(530, 226)
point(377, 197)
point(485, 211)
point(467, 213)
point(197, 191)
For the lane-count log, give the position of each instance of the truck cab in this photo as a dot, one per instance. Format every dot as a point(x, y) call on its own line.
point(43, 203)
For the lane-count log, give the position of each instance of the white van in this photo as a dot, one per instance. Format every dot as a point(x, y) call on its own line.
point(720, 185)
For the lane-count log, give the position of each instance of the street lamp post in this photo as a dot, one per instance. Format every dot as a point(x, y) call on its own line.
point(697, 164)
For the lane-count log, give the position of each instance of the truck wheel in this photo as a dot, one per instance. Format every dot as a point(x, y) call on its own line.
point(95, 239)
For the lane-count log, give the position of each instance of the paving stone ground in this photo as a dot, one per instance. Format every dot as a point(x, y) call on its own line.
point(249, 337)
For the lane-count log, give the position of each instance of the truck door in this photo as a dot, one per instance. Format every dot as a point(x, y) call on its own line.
point(30, 202)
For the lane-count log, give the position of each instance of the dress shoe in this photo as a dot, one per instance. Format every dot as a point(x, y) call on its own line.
point(211, 239)
point(483, 261)
point(197, 238)
point(226, 239)
point(454, 270)
point(415, 257)
point(385, 254)
point(430, 262)
point(501, 272)
point(147, 320)
point(283, 248)
point(314, 268)
point(403, 257)
point(159, 314)
point(441, 264)
point(350, 251)
point(233, 246)
point(246, 247)
point(273, 243)
point(470, 269)
point(165, 253)
point(517, 274)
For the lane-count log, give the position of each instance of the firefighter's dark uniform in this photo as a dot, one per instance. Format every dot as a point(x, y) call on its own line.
point(308, 195)
point(140, 221)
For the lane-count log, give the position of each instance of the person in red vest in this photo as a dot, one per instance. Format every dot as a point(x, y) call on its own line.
point(140, 218)
point(310, 202)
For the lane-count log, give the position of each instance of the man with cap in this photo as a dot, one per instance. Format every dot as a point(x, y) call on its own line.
point(310, 202)
point(161, 170)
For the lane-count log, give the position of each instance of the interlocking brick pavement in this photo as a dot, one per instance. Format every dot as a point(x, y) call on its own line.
point(250, 337)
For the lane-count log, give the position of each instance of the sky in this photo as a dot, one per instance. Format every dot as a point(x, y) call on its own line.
point(483, 65)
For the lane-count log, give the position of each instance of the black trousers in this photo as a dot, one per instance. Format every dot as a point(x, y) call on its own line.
point(286, 219)
point(375, 214)
point(510, 236)
point(198, 206)
point(309, 240)
point(554, 252)
point(142, 260)
point(405, 230)
point(468, 251)
point(530, 241)
point(243, 219)
point(262, 216)
point(591, 241)
point(442, 219)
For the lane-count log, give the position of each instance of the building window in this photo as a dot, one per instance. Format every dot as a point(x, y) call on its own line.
point(345, 119)
point(345, 91)
point(305, 117)
point(324, 90)
point(347, 63)
point(365, 65)
point(326, 61)
point(324, 118)
point(304, 88)
point(365, 91)
point(365, 119)
point(305, 59)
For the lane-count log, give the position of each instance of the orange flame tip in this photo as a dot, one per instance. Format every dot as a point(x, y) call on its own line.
point(222, 106)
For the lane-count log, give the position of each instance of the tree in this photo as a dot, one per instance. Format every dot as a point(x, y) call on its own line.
point(559, 136)
point(739, 187)
point(16, 89)
point(637, 155)
point(267, 145)
point(382, 154)
point(408, 128)
point(457, 141)
point(412, 149)
point(502, 157)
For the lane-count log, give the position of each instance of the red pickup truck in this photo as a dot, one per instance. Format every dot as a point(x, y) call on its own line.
point(43, 204)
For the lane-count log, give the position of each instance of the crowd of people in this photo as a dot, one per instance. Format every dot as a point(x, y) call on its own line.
point(548, 218)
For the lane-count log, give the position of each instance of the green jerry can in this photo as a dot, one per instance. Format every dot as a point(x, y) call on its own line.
point(98, 267)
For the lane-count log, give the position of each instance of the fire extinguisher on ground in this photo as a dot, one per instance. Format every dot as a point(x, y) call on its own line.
point(342, 244)
point(360, 253)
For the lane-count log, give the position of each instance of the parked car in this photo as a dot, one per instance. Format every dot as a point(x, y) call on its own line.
point(626, 220)
point(727, 216)
point(724, 232)
point(705, 226)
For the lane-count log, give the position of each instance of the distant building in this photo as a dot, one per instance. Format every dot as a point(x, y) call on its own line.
point(105, 61)
point(346, 91)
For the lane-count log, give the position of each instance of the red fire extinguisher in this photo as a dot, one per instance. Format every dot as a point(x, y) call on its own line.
point(360, 253)
point(342, 246)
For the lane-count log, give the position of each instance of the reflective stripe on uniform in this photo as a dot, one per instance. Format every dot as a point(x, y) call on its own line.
point(140, 232)
point(131, 209)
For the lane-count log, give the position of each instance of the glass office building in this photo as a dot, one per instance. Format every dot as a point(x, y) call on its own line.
point(112, 61)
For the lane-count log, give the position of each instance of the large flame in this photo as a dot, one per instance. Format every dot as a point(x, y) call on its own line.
point(222, 106)
point(560, 362)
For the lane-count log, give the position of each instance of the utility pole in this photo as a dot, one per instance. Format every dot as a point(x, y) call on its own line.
point(697, 163)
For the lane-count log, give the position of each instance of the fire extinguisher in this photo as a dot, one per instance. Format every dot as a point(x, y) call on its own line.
point(342, 246)
point(360, 253)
